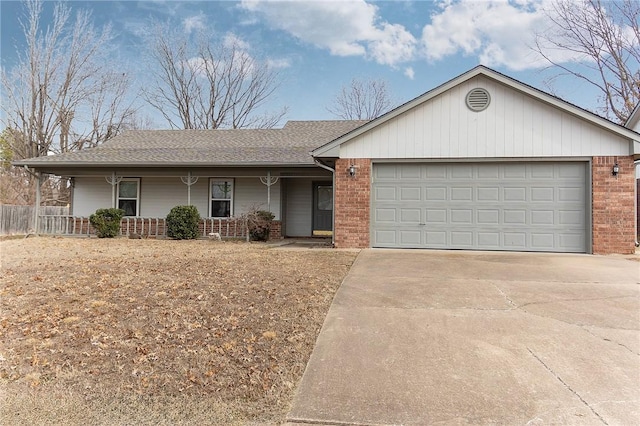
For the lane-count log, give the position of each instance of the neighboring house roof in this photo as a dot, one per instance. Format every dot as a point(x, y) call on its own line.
point(331, 149)
point(290, 145)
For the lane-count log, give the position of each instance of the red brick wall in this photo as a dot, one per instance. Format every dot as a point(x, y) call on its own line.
point(613, 205)
point(352, 203)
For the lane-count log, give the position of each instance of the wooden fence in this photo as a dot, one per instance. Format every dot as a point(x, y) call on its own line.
point(20, 219)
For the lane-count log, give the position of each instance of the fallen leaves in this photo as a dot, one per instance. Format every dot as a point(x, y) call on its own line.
point(157, 318)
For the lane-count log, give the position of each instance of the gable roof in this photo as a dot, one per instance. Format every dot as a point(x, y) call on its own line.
point(290, 145)
point(634, 118)
point(331, 149)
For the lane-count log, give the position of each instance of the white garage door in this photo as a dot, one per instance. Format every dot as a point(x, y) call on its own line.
point(484, 206)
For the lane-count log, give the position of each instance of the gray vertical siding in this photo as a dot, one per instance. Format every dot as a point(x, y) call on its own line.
point(514, 125)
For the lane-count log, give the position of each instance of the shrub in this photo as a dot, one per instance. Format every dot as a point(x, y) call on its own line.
point(259, 224)
point(182, 222)
point(106, 222)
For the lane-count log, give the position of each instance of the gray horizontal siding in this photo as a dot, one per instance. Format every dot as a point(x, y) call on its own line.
point(158, 195)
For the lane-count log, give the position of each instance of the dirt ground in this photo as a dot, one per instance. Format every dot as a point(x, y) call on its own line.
point(115, 331)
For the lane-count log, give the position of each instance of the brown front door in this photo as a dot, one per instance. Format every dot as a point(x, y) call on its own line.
point(322, 208)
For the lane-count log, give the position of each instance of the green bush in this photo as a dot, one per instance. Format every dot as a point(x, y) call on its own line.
point(106, 222)
point(259, 224)
point(182, 223)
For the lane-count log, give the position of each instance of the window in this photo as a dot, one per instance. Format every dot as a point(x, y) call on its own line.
point(222, 198)
point(129, 195)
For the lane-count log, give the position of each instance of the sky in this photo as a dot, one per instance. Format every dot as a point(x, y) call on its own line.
point(318, 47)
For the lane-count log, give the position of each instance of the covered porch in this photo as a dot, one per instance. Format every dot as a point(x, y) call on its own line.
point(300, 198)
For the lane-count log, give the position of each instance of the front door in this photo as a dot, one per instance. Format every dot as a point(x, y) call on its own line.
point(322, 208)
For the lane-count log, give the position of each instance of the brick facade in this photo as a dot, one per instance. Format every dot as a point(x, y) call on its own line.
point(352, 204)
point(613, 205)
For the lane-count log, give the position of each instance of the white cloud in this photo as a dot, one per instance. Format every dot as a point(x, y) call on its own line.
point(356, 28)
point(278, 63)
point(196, 22)
point(233, 41)
point(409, 72)
point(499, 32)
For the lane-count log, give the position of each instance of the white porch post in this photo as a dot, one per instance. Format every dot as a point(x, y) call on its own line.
point(113, 180)
point(268, 181)
point(189, 180)
point(36, 219)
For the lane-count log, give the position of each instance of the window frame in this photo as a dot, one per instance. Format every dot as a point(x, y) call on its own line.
point(137, 199)
point(231, 182)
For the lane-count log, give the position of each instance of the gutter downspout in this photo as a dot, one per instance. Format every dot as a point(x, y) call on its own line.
point(333, 200)
point(635, 187)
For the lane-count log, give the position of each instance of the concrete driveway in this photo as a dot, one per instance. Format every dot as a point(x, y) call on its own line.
point(434, 337)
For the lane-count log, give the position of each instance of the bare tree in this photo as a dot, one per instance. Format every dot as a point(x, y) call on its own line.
point(361, 100)
point(62, 94)
point(204, 85)
point(605, 37)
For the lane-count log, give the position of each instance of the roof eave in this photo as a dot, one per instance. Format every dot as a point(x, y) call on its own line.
point(83, 164)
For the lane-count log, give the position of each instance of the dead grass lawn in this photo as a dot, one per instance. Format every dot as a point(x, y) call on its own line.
point(157, 332)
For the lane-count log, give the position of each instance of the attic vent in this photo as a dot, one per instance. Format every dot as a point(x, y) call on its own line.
point(478, 99)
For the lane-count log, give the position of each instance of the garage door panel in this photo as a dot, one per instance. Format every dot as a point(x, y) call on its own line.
point(515, 240)
point(489, 239)
point(571, 194)
point(409, 171)
point(385, 193)
point(436, 194)
point(543, 171)
point(410, 215)
point(488, 194)
point(543, 241)
point(385, 215)
point(436, 171)
point(435, 216)
point(488, 217)
point(514, 171)
point(542, 194)
point(388, 172)
point(542, 217)
point(436, 239)
point(410, 194)
point(571, 217)
point(488, 206)
point(461, 216)
point(386, 238)
point(411, 238)
point(462, 239)
point(515, 194)
point(514, 217)
point(462, 194)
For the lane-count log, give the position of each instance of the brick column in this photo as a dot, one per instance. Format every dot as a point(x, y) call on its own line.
point(352, 203)
point(613, 205)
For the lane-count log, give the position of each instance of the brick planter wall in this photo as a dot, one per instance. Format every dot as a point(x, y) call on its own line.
point(156, 227)
point(613, 206)
point(352, 203)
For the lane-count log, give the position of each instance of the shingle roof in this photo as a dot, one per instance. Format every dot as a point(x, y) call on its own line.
point(290, 145)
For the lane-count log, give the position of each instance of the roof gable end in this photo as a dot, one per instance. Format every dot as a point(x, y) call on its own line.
point(331, 149)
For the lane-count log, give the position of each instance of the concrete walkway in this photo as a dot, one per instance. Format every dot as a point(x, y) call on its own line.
point(432, 337)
